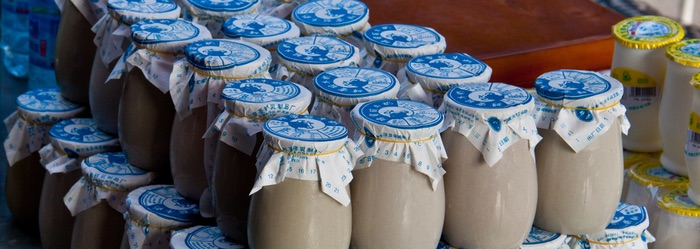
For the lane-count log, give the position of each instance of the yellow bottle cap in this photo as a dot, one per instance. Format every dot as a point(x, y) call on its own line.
point(651, 173)
point(695, 82)
point(678, 202)
point(647, 32)
point(632, 158)
point(686, 53)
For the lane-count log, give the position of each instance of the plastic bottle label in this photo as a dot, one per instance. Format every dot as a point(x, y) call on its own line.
point(640, 89)
point(43, 28)
point(692, 146)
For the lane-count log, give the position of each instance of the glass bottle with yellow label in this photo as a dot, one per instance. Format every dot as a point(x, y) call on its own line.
point(639, 64)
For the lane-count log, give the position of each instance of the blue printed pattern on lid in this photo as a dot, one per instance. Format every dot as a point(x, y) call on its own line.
point(539, 236)
point(143, 6)
point(330, 13)
point(79, 130)
point(401, 114)
point(208, 237)
point(255, 26)
point(570, 84)
point(112, 163)
point(401, 36)
point(163, 30)
point(220, 54)
point(306, 128)
point(626, 216)
point(446, 66)
point(648, 29)
point(354, 82)
point(223, 5)
point(167, 203)
point(316, 50)
point(260, 91)
point(691, 49)
point(489, 95)
point(45, 100)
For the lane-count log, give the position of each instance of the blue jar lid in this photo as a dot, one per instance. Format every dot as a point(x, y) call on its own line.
point(488, 96)
point(263, 30)
point(305, 128)
point(330, 13)
point(541, 237)
point(214, 55)
point(577, 88)
point(440, 72)
point(203, 237)
point(354, 82)
point(162, 201)
point(132, 11)
point(223, 5)
point(45, 100)
point(167, 35)
point(79, 130)
point(261, 90)
point(402, 36)
point(111, 171)
point(400, 114)
point(112, 163)
point(627, 216)
point(316, 50)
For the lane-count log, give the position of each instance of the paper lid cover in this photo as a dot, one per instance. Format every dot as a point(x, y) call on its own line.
point(397, 120)
point(220, 9)
point(678, 202)
point(266, 31)
point(132, 11)
point(353, 85)
point(538, 238)
point(442, 71)
point(331, 17)
point(633, 158)
point(161, 204)
point(317, 50)
point(628, 223)
point(167, 35)
point(651, 173)
point(46, 106)
point(203, 237)
point(685, 52)
point(304, 134)
point(403, 41)
point(577, 88)
point(263, 99)
point(695, 82)
point(228, 58)
point(501, 101)
point(77, 136)
point(111, 170)
point(647, 32)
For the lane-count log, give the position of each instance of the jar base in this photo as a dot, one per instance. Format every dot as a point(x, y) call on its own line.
point(678, 169)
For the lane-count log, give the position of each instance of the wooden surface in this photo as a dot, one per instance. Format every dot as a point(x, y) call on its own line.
point(519, 39)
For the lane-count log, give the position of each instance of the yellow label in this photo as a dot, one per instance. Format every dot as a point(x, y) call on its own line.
point(694, 124)
point(633, 78)
point(632, 158)
point(678, 202)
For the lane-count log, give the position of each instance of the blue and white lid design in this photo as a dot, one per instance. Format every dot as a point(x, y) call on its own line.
point(265, 98)
point(397, 119)
point(489, 98)
point(575, 88)
point(220, 9)
point(46, 106)
point(266, 31)
point(80, 137)
point(203, 237)
point(629, 224)
point(132, 11)
point(541, 239)
point(403, 41)
point(304, 128)
point(317, 50)
point(167, 35)
point(352, 85)
point(161, 205)
point(228, 58)
point(330, 17)
point(439, 72)
point(112, 171)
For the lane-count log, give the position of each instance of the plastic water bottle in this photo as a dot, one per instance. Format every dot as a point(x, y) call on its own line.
point(14, 39)
point(44, 17)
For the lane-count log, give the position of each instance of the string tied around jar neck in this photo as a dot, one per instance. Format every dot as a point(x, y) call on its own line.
point(305, 154)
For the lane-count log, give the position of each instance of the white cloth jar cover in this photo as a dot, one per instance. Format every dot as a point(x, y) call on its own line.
point(208, 66)
point(72, 141)
point(301, 59)
point(279, 8)
point(537, 239)
point(249, 103)
point(627, 230)
point(108, 177)
point(679, 222)
point(339, 90)
point(153, 213)
point(579, 105)
point(401, 131)
point(492, 116)
point(391, 46)
point(344, 19)
point(429, 77)
point(112, 30)
point(265, 31)
point(28, 127)
point(310, 148)
point(204, 237)
point(92, 10)
point(213, 13)
point(157, 45)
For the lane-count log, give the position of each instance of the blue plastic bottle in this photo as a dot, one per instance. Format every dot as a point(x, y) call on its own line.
point(14, 40)
point(44, 17)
